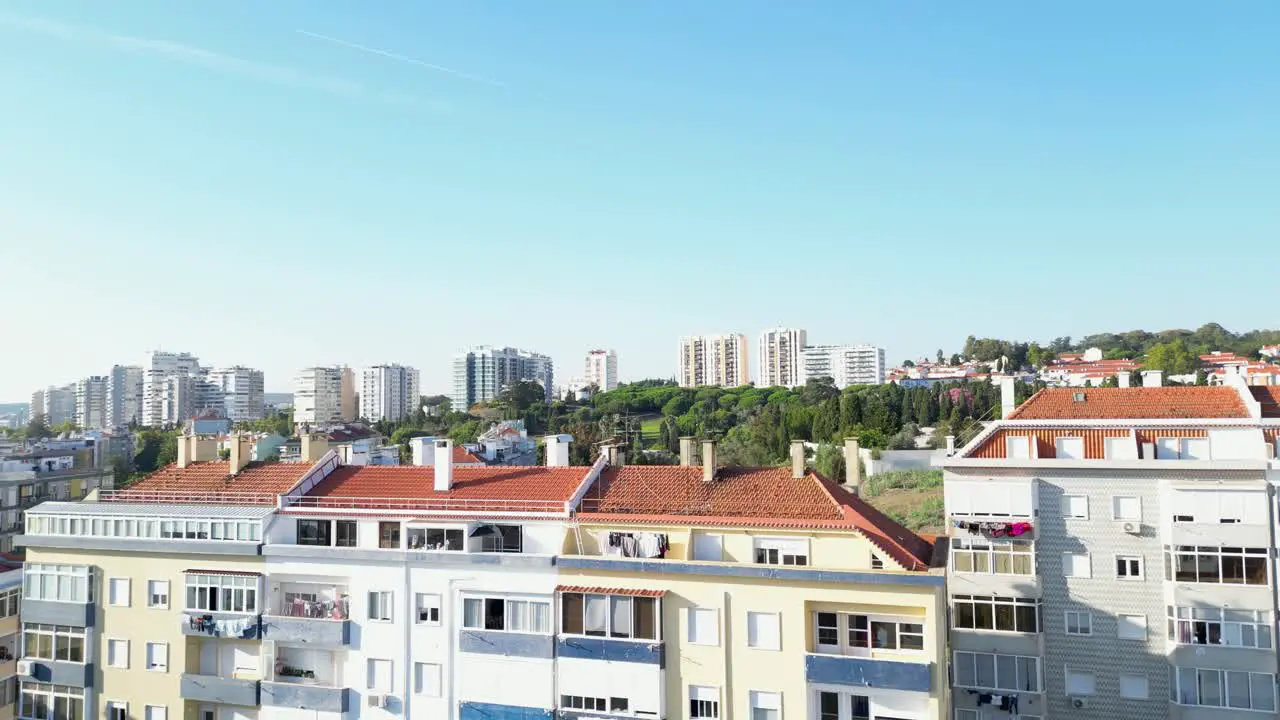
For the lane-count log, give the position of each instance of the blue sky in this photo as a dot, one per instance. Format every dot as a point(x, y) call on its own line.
point(234, 179)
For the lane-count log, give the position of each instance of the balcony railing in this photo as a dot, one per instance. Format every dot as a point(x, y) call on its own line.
point(316, 609)
point(182, 497)
point(437, 505)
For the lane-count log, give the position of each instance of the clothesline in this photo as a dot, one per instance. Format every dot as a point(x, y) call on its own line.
point(641, 545)
point(994, 529)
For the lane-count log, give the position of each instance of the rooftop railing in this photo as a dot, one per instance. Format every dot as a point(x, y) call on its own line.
point(430, 505)
point(185, 497)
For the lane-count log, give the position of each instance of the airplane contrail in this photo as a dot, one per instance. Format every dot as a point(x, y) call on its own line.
point(400, 58)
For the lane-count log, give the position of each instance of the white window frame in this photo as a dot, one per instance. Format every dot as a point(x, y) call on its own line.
point(1018, 447)
point(243, 591)
point(382, 606)
point(1064, 443)
point(529, 616)
point(694, 619)
point(1129, 559)
point(116, 665)
point(1014, 604)
point(785, 551)
point(429, 602)
point(1182, 622)
point(613, 603)
point(774, 642)
point(1146, 687)
point(117, 705)
point(1226, 678)
point(1067, 672)
point(996, 686)
point(113, 596)
point(712, 710)
point(55, 635)
point(1068, 511)
point(164, 648)
point(58, 583)
point(1121, 620)
point(427, 679)
point(981, 551)
point(702, 545)
point(158, 588)
point(764, 700)
point(1172, 552)
point(155, 712)
point(1115, 507)
point(371, 675)
point(1088, 565)
point(1079, 615)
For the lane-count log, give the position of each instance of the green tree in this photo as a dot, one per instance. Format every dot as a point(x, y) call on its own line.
point(1202, 377)
point(68, 427)
point(38, 428)
point(1173, 357)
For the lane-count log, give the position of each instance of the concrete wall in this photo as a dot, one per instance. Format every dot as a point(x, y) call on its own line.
point(894, 460)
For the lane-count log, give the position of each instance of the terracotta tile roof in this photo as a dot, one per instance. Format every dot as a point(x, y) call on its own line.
point(755, 497)
point(1269, 397)
point(409, 482)
point(1160, 403)
point(211, 476)
point(609, 591)
point(465, 456)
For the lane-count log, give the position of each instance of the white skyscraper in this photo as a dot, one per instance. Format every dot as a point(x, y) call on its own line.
point(124, 395)
point(162, 400)
point(317, 396)
point(483, 373)
point(713, 360)
point(779, 358)
point(602, 369)
point(388, 392)
point(845, 364)
point(242, 390)
point(91, 402)
point(60, 404)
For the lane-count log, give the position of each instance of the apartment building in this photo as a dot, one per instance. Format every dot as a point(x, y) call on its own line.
point(602, 369)
point(10, 636)
point(37, 405)
point(48, 473)
point(845, 364)
point(91, 402)
point(59, 404)
point(324, 396)
point(242, 392)
point(389, 392)
point(227, 590)
point(160, 402)
point(1112, 555)
point(779, 359)
point(483, 373)
point(124, 395)
point(713, 360)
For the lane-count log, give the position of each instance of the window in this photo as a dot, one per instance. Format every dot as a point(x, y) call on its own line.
point(764, 630)
point(117, 710)
point(866, 632)
point(380, 602)
point(450, 539)
point(830, 705)
point(1003, 614)
point(428, 608)
point(1220, 626)
point(64, 583)
point(619, 616)
point(619, 704)
point(1131, 627)
point(987, 671)
point(704, 702)
point(1219, 565)
point(118, 592)
point(581, 702)
point(704, 628)
point(1129, 566)
point(1080, 683)
point(1219, 688)
point(42, 701)
point(158, 657)
point(782, 551)
point(877, 563)
point(1079, 623)
point(389, 535)
point(765, 705)
point(1069, 448)
point(157, 712)
point(1076, 565)
point(426, 679)
point(1133, 687)
point(991, 557)
point(10, 602)
point(53, 642)
point(1075, 507)
point(1017, 447)
point(708, 547)
point(507, 615)
point(346, 533)
point(222, 593)
point(1126, 508)
point(378, 675)
point(118, 653)
point(314, 532)
point(158, 594)
point(1223, 507)
point(499, 538)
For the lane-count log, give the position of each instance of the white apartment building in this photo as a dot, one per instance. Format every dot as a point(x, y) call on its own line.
point(60, 404)
point(91, 402)
point(324, 395)
point(124, 395)
point(483, 373)
point(845, 364)
point(780, 358)
point(602, 369)
point(37, 405)
point(388, 392)
point(160, 398)
point(242, 390)
point(713, 360)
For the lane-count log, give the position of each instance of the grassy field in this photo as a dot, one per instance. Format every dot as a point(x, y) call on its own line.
point(649, 429)
point(912, 497)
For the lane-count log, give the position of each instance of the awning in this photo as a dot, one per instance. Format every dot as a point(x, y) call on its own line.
point(243, 573)
point(610, 591)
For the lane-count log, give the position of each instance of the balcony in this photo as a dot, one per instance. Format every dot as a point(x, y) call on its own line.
point(61, 672)
point(314, 614)
point(55, 612)
point(221, 690)
point(234, 626)
point(868, 672)
point(307, 679)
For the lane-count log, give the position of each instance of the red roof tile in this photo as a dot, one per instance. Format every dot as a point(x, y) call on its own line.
point(609, 591)
point(1132, 403)
point(464, 456)
point(757, 497)
point(1269, 397)
point(212, 477)
point(409, 482)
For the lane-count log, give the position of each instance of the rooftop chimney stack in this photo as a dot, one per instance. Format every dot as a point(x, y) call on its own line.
point(1152, 378)
point(852, 466)
point(708, 460)
point(1007, 400)
point(557, 450)
point(686, 451)
point(184, 450)
point(951, 445)
point(1122, 379)
point(241, 452)
point(314, 446)
point(443, 465)
point(797, 459)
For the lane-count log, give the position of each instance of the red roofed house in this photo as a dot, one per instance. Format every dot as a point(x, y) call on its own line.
point(1102, 542)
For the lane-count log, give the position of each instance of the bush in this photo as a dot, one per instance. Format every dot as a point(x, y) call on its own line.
point(902, 480)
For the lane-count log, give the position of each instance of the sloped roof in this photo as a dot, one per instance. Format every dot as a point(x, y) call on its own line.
point(1162, 403)
point(411, 482)
point(212, 477)
point(1269, 397)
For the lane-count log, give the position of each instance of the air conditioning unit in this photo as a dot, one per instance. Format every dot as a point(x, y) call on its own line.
point(385, 701)
point(377, 700)
point(1132, 528)
point(26, 668)
point(1079, 703)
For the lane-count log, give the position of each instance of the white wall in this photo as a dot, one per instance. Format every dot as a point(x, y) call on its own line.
point(980, 498)
point(641, 684)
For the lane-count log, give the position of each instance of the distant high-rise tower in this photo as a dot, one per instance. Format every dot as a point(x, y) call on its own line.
point(482, 373)
point(162, 399)
point(602, 369)
point(713, 360)
point(124, 395)
point(91, 402)
point(388, 392)
point(845, 364)
point(242, 392)
point(779, 358)
point(60, 404)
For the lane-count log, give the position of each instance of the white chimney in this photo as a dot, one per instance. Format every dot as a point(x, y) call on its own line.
point(708, 460)
point(423, 450)
point(1152, 378)
point(558, 450)
point(951, 445)
point(241, 452)
point(184, 450)
point(797, 459)
point(686, 451)
point(444, 465)
point(1122, 379)
point(852, 465)
point(1007, 401)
